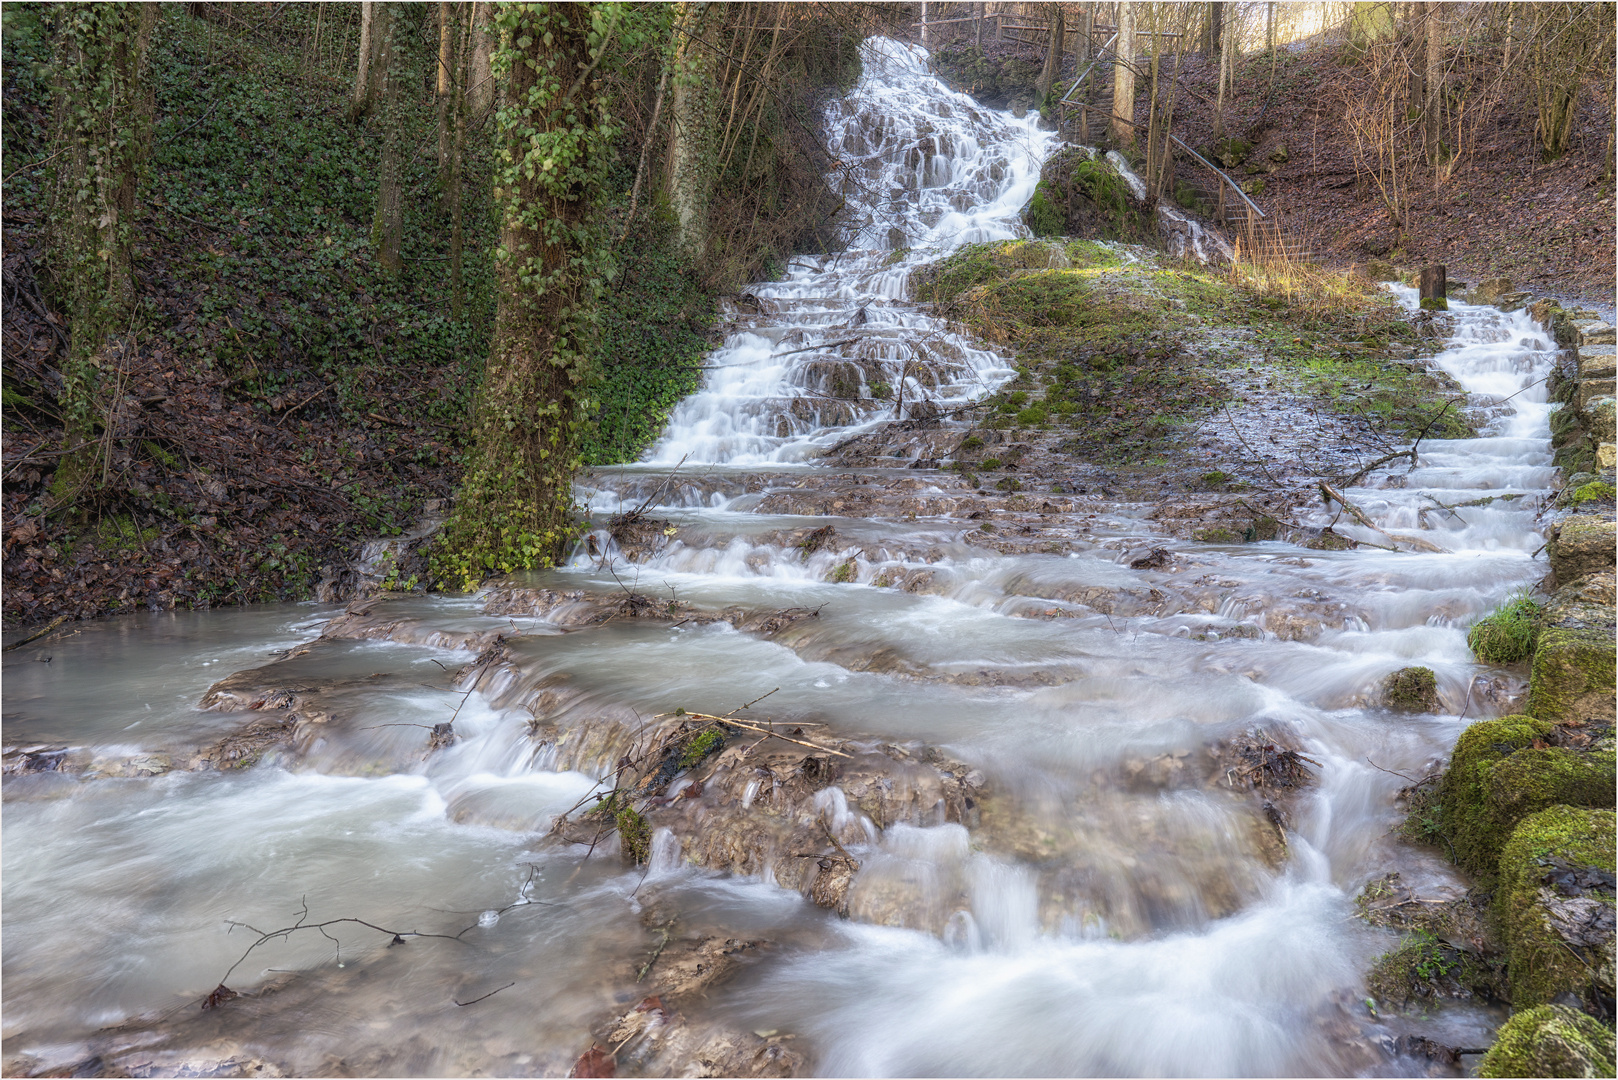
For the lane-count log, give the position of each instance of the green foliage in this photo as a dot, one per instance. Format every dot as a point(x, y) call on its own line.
point(1595, 491)
point(1506, 635)
point(654, 336)
point(843, 573)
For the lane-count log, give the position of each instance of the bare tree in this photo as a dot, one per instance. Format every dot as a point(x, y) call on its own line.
point(1123, 80)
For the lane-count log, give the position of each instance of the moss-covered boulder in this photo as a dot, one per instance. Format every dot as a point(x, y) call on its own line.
point(1414, 689)
point(1583, 544)
point(1572, 674)
point(1555, 906)
point(1089, 197)
point(1498, 775)
point(1551, 1040)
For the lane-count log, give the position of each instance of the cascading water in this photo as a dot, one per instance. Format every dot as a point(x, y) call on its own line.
point(923, 170)
point(1111, 913)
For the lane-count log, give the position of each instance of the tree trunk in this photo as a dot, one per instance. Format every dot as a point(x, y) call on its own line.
point(376, 19)
point(1123, 80)
point(1433, 106)
point(515, 506)
point(102, 131)
point(1213, 27)
point(1227, 74)
point(480, 78)
point(448, 83)
point(1053, 56)
point(692, 116)
point(387, 223)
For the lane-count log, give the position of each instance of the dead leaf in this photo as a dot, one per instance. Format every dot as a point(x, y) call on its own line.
point(595, 1062)
point(220, 995)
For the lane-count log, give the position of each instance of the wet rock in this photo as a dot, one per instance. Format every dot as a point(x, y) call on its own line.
point(1426, 969)
point(1444, 912)
point(1412, 689)
point(1572, 674)
point(1555, 902)
point(1550, 1040)
point(1580, 545)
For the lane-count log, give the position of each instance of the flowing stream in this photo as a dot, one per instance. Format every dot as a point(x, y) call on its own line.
point(1125, 922)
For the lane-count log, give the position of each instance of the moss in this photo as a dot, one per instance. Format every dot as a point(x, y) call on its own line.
point(1572, 674)
point(700, 746)
point(1599, 491)
point(1009, 483)
point(634, 835)
point(1434, 303)
point(1507, 634)
point(1411, 688)
point(1475, 837)
point(971, 442)
point(843, 574)
point(1217, 534)
point(1550, 1040)
point(1541, 963)
point(1042, 215)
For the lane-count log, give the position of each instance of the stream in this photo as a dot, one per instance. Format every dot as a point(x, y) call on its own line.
point(1116, 914)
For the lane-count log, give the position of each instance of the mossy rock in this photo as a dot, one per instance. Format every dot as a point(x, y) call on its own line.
point(1497, 777)
point(1414, 689)
point(1572, 674)
point(1042, 215)
point(1581, 545)
point(1217, 534)
point(1554, 904)
point(1550, 1040)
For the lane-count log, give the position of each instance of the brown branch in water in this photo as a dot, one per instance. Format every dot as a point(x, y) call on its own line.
point(1256, 455)
point(490, 994)
point(1383, 460)
point(58, 621)
point(767, 731)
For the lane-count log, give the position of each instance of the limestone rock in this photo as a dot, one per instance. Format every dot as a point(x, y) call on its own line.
point(1581, 545)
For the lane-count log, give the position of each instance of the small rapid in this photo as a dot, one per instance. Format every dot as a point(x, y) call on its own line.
point(1111, 905)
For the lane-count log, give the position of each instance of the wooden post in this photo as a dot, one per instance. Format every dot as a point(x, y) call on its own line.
point(1434, 289)
point(1219, 212)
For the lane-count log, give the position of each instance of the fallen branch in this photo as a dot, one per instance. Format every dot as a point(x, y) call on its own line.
point(490, 994)
point(1333, 495)
point(37, 634)
point(1383, 460)
point(764, 731)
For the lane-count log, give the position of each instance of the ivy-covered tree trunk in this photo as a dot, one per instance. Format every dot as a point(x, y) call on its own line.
point(103, 119)
point(693, 117)
point(553, 142)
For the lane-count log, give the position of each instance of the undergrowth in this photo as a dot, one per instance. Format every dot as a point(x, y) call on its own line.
point(1507, 634)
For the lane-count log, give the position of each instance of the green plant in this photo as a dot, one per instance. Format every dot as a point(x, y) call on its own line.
point(1507, 634)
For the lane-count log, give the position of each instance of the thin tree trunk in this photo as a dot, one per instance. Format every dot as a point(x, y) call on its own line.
point(459, 104)
point(1123, 79)
point(480, 79)
point(1053, 55)
point(1227, 63)
point(446, 85)
point(1213, 28)
point(387, 226)
point(362, 78)
point(1434, 104)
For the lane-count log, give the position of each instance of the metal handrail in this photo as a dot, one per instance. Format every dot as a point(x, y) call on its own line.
point(1076, 82)
point(1251, 205)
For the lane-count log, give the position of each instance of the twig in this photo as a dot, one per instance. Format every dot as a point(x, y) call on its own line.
point(1383, 460)
point(1256, 456)
point(768, 731)
point(302, 403)
point(1394, 772)
point(647, 967)
point(490, 994)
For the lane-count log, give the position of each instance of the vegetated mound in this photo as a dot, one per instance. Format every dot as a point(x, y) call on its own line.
point(1121, 354)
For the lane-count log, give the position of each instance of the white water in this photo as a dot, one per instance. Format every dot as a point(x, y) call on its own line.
point(1149, 940)
point(924, 170)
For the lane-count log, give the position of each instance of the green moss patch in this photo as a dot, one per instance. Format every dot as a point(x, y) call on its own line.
point(634, 834)
point(1550, 1040)
point(700, 746)
point(1414, 689)
point(1424, 968)
point(1555, 892)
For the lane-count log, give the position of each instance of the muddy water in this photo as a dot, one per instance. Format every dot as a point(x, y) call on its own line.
point(1115, 911)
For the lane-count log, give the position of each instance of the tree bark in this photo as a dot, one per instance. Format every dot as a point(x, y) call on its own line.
point(1053, 55)
point(1227, 72)
point(480, 79)
point(692, 118)
point(1433, 106)
point(515, 505)
point(387, 225)
point(1123, 80)
point(102, 131)
point(1213, 27)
